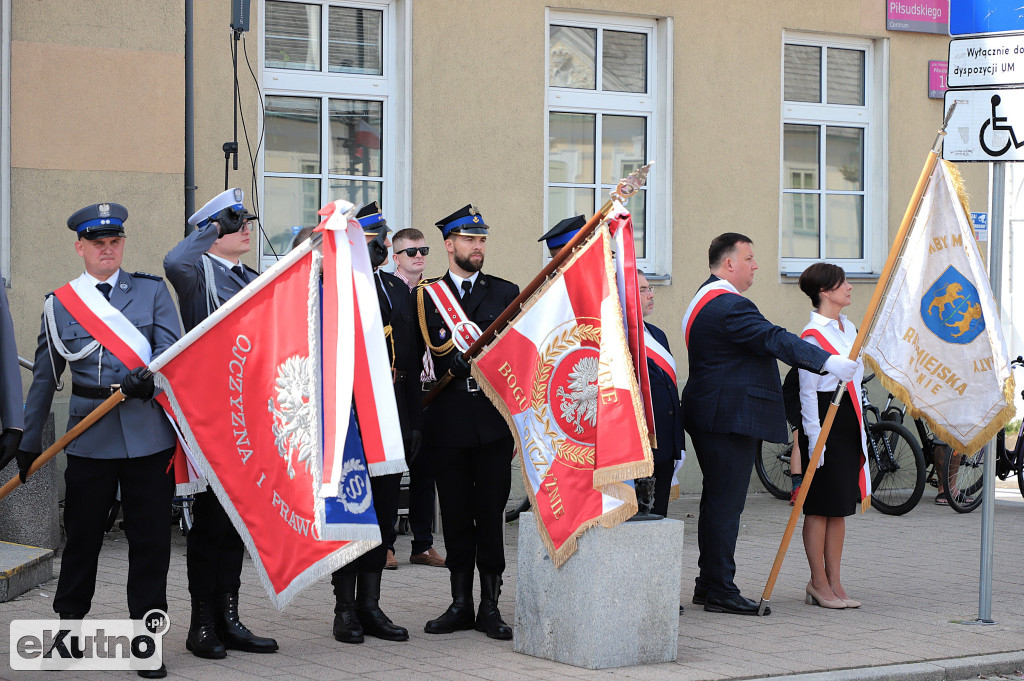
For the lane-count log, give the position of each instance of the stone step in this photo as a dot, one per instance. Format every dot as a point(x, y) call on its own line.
point(23, 568)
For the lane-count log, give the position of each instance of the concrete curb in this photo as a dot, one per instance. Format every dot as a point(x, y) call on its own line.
point(951, 669)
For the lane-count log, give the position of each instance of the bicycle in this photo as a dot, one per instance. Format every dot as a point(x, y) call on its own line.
point(895, 462)
point(964, 474)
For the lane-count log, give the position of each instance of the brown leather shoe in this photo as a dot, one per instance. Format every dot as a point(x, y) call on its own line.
point(391, 563)
point(429, 557)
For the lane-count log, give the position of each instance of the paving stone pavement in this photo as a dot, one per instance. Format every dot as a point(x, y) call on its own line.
point(917, 576)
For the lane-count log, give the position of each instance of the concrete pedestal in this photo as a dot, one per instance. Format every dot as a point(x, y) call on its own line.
point(30, 515)
point(614, 603)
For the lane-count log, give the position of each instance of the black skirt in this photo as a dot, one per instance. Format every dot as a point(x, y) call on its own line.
point(835, 490)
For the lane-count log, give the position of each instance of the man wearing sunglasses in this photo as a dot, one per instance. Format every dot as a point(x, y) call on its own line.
point(206, 269)
point(410, 257)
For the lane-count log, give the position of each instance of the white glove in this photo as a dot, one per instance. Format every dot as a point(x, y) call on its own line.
point(841, 367)
point(810, 452)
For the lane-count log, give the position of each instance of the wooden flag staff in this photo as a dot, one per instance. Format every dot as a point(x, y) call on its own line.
point(869, 315)
point(626, 188)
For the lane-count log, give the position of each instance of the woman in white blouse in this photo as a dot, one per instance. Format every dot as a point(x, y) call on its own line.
point(837, 486)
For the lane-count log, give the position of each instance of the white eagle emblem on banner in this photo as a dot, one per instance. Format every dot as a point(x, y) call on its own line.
point(294, 413)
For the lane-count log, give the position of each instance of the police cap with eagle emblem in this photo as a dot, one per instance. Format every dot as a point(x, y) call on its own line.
point(99, 221)
point(371, 220)
point(227, 200)
point(466, 220)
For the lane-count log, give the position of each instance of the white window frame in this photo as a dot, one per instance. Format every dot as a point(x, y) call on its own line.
point(871, 118)
point(655, 104)
point(5, 139)
point(393, 88)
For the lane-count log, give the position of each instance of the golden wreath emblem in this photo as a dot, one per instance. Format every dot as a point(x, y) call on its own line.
point(565, 390)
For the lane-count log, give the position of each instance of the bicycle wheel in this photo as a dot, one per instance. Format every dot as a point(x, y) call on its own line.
point(1020, 474)
point(524, 505)
point(897, 468)
point(964, 476)
point(772, 466)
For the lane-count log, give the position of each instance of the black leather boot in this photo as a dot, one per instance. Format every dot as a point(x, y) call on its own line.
point(347, 628)
point(373, 619)
point(488, 619)
point(459, 615)
point(233, 634)
point(202, 633)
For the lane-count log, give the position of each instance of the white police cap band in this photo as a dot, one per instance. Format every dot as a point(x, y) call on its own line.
point(229, 198)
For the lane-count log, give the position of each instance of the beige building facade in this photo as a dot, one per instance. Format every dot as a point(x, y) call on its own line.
point(803, 125)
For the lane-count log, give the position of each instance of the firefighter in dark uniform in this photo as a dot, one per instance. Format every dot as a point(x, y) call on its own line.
point(471, 443)
point(205, 270)
point(357, 584)
point(132, 444)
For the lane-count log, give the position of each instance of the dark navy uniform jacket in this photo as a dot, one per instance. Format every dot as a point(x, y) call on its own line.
point(734, 385)
point(12, 410)
point(405, 348)
point(668, 415)
point(458, 418)
point(134, 428)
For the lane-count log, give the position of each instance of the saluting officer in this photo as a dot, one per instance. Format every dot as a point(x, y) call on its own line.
point(205, 269)
point(129, 446)
point(357, 610)
point(470, 442)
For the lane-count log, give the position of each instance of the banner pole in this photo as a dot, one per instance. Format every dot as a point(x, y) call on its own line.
point(625, 188)
point(64, 441)
point(869, 315)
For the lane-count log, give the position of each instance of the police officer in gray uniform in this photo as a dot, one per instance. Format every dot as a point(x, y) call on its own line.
point(12, 410)
point(205, 270)
point(129, 446)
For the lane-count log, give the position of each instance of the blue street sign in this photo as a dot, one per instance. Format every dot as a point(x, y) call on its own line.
point(985, 16)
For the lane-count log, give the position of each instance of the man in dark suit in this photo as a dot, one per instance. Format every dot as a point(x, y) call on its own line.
point(471, 444)
point(668, 417)
point(357, 584)
point(132, 444)
point(733, 398)
point(205, 269)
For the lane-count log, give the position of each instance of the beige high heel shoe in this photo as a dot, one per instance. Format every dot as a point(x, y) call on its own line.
point(850, 603)
point(813, 598)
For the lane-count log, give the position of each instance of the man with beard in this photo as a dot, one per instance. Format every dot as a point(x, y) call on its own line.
point(205, 269)
point(357, 584)
point(469, 440)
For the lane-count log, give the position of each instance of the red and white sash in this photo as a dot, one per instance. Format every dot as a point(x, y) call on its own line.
point(706, 294)
point(464, 330)
point(660, 355)
point(865, 474)
point(106, 324)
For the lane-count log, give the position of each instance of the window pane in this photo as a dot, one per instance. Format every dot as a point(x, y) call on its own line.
point(293, 135)
point(844, 215)
point(799, 225)
point(637, 206)
point(571, 148)
point(358, 192)
point(288, 202)
point(624, 62)
point(356, 131)
point(565, 202)
point(845, 76)
point(573, 57)
point(844, 158)
point(623, 146)
point(354, 40)
point(293, 36)
point(800, 156)
point(802, 79)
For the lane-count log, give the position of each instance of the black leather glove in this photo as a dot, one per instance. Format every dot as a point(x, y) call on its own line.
point(10, 440)
point(230, 220)
point(136, 385)
point(25, 460)
point(415, 442)
point(460, 367)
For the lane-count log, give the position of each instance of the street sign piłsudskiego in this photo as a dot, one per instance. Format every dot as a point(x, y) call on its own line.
point(982, 62)
point(987, 125)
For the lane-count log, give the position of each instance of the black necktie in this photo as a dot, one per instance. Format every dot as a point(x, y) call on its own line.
point(105, 289)
point(467, 286)
point(237, 269)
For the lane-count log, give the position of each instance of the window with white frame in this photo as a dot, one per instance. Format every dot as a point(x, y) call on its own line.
point(832, 157)
point(330, 87)
point(604, 119)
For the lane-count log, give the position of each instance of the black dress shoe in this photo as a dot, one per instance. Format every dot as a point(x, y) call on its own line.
point(700, 599)
point(734, 605)
point(154, 673)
